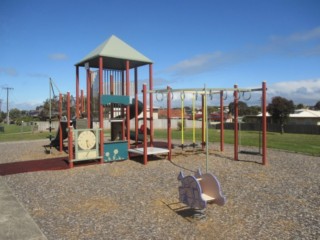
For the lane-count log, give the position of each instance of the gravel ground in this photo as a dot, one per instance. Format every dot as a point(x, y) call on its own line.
point(128, 200)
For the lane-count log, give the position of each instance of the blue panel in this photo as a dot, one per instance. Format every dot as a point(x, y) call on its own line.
point(106, 99)
point(115, 151)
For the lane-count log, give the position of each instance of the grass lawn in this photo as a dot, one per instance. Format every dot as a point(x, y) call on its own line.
point(13, 132)
point(301, 143)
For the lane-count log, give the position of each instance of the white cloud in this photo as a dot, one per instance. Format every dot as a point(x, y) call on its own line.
point(9, 71)
point(303, 91)
point(203, 63)
point(309, 35)
point(58, 56)
point(38, 75)
point(27, 105)
point(301, 44)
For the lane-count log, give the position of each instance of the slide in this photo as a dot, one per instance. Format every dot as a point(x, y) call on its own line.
point(133, 108)
point(56, 141)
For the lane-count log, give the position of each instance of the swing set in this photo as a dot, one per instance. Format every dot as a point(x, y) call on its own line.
point(205, 92)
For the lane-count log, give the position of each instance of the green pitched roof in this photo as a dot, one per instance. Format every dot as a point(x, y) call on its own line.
point(115, 52)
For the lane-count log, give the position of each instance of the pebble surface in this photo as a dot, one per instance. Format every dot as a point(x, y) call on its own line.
point(129, 200)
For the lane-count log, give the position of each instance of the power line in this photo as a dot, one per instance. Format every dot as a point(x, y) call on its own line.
point(8, 89)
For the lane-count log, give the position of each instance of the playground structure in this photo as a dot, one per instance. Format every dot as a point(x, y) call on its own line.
point(108, 92)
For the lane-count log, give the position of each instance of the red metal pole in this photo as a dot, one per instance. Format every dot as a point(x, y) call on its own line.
point(60, 129)
point(70, 139)
point(128, 108)
point(203, 121)
point(89, 97)
point(151, 103)
point(264, 123)
point(145, 140)
point(221, 122)
point(236, 133)
point(82, 102)
point(169, 122)
point(123, 92)
point(101, 108)
point(136, 104)
point(111, 93)
point(77, 91)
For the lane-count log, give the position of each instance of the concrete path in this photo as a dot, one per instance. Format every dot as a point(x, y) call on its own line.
point(15, 222)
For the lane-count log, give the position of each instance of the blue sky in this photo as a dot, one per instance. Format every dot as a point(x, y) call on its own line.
point(192, 43)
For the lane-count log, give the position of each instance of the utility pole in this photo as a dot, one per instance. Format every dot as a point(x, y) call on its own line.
point(8, 89)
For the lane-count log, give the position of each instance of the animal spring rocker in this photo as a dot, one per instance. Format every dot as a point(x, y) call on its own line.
point(198, 190)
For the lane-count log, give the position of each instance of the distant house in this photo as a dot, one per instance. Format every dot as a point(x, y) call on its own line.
point(300, 116)
point(305, 117)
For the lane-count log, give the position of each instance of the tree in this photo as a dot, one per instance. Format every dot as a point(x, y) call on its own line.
point(317, 106)
point(242, 108)
point(300, 106)
point(44, 113)
point(14, 114)
point(280, 108)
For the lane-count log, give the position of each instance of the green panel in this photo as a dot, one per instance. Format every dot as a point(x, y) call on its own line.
point(107, 99)
point(115, 151)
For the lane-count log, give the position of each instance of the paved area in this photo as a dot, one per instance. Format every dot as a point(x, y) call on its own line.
point(15, 222)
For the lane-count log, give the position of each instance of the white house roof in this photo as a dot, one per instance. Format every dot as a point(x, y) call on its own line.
point(305, 113)
point(300, 113)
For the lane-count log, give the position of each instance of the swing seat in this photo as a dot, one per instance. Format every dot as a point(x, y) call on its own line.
point(199, 190)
